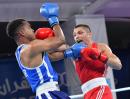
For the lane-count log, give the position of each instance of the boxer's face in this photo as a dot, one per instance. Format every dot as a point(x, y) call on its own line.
point(81, 34)
point(28, 31)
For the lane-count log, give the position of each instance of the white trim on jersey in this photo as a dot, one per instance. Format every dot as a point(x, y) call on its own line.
point(40, 75)
point(48, 95)
point(48, 72)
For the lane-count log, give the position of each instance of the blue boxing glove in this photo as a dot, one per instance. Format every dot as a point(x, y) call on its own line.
point(74, 51)
point(50, 11)
point(68, 53)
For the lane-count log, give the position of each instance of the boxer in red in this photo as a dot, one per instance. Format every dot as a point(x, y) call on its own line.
point(92, 60)
point(92, 65)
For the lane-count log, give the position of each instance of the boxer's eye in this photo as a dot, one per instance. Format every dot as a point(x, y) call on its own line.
point(80, 32)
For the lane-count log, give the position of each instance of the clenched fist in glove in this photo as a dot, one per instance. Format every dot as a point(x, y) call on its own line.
point(50, 11)
point(93, 53)
point(74, 51)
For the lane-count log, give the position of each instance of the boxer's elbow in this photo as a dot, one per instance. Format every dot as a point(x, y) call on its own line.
point(62, 40)
point(114, 64)
point(119, 66)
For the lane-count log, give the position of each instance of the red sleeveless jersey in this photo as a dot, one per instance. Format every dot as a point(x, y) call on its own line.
point(87, 71)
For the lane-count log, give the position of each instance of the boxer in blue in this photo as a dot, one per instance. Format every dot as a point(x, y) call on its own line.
point(32, 53)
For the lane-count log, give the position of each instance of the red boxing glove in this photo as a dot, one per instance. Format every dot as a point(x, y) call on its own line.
point(43, 33)
point(94, 53)
point(85, 53)
point(91, 52)
point(103, 58)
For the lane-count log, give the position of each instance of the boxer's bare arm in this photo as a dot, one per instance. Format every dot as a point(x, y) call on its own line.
point(58, 54)
point(113, 61)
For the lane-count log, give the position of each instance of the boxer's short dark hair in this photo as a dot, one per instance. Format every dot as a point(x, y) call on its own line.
point(13, 26)
point(83, 25)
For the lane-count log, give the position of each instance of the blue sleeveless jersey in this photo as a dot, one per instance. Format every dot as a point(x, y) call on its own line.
point(40, 74)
